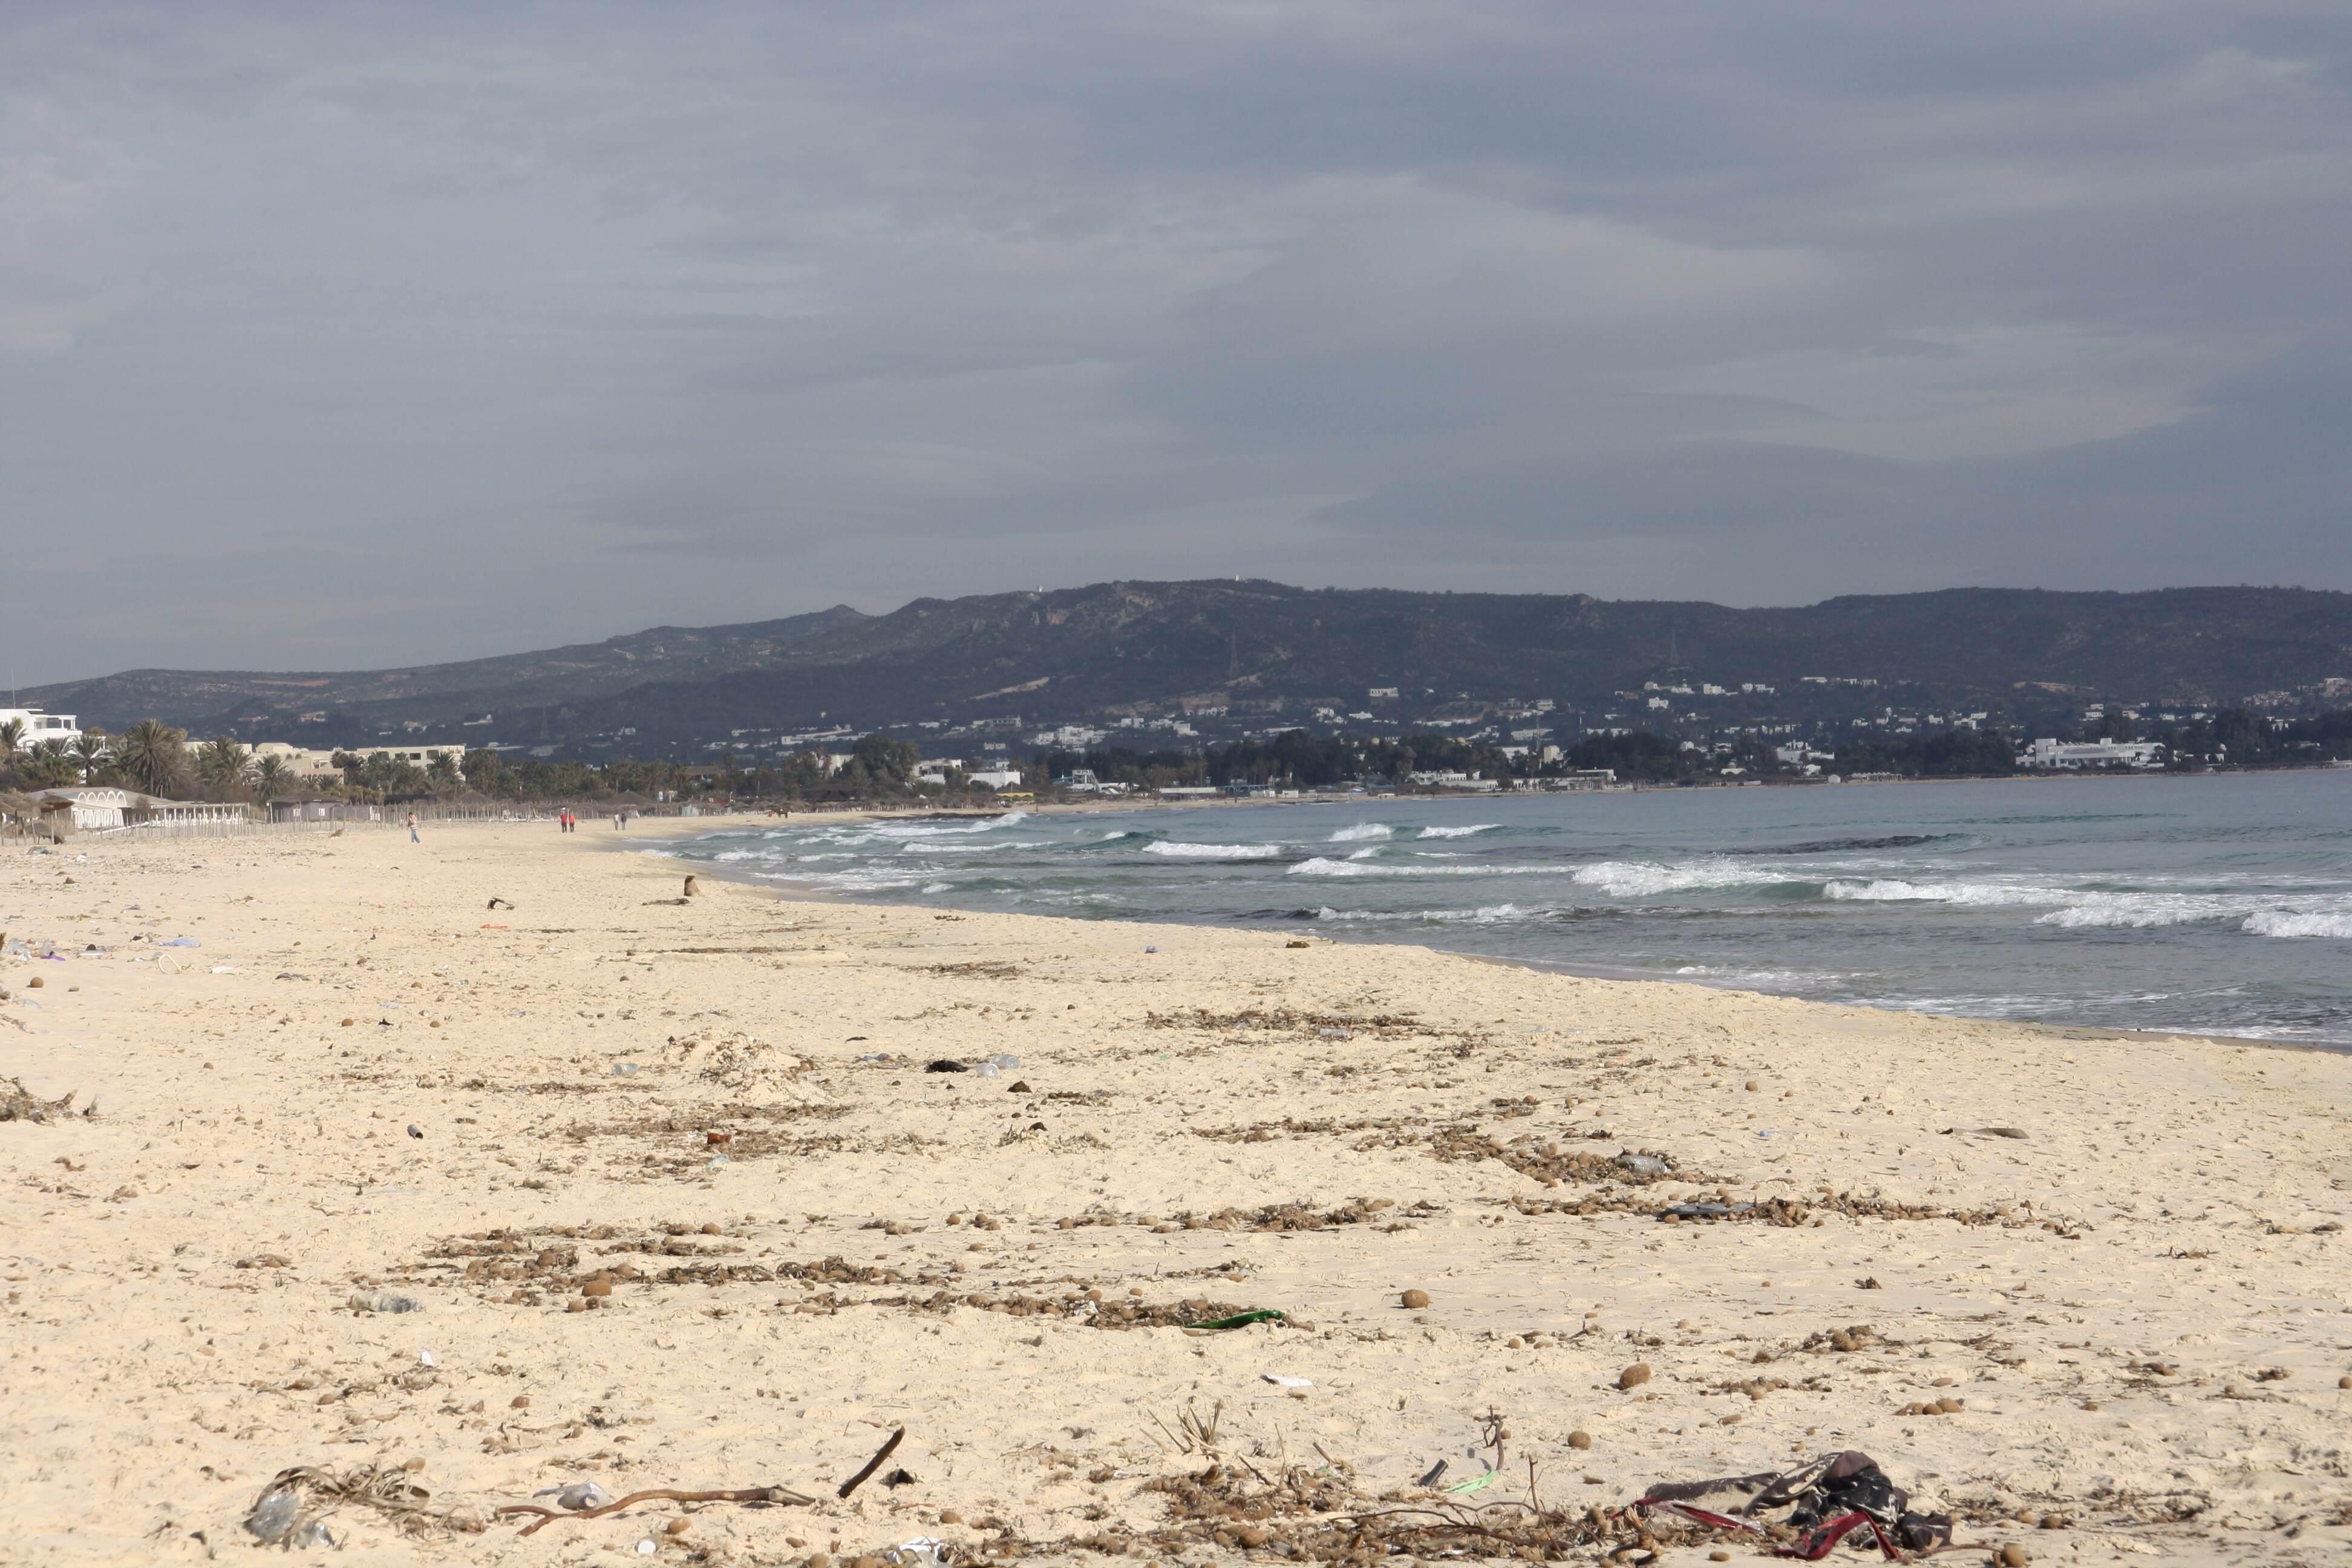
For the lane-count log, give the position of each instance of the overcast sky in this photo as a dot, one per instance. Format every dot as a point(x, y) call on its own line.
point(338, 335)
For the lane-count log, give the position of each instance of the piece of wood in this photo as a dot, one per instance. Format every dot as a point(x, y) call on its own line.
point(873, 1463)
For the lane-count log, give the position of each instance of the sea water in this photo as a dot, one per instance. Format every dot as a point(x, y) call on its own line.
point(2216, 904)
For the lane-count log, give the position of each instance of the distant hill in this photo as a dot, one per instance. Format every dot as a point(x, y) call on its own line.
point(1075, 653)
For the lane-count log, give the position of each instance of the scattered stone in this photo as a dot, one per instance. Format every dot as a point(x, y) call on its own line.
point(520, 1402)
point(677, 1526)
point(1634, 1376)
point(1414, 1298)
point(1021, 1086)
point(1580, 1439)
point(2015, 1556)
point(600, 1286)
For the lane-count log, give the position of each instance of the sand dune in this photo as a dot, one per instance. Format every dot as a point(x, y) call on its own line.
point(2121, 1256)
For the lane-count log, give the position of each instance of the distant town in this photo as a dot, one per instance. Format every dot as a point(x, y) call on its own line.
point(1683, 730)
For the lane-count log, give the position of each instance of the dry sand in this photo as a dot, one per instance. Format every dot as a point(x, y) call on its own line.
point(2140, 1300)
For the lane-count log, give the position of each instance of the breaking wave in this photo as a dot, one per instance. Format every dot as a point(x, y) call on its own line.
point(1463, 831)
point(1362, 830)
point(2287, 923)
point(1639, 878)
point(1175, 850)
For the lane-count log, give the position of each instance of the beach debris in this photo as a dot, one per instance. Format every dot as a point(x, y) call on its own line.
point(1244, 1320)
point(755, 1495)
point(1435, 1473)
point(945, 1064)
point(1703, 1211)
point(1298, 942)
point(576, 1496)
point(692, 890)
point(1643, 1164)
point(500, 904)
point(287, 1513)
point(1412, 1301)
point(624, 1069)
point(18, 1103)
point(1828, 1498)
point(872, 1465)
point(922, 1551)
point(414, 1131)
point(382, 1301)
point(1279, 1381)
point(1151, 950)
point(986, 1069)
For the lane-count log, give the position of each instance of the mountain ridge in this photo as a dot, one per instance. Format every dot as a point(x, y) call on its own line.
point(1062, 654)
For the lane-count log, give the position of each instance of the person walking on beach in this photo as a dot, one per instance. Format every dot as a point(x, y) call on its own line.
point(412, 829)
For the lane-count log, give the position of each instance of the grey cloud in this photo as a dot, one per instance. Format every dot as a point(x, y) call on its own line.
point(352, 333)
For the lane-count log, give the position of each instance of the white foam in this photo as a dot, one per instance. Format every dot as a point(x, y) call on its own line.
point(1362, 830)
point(940, 829)
point(1637, 879)
point(1176, 850)
point(2289, 923)
point(1319, 865)
point(1463, 831)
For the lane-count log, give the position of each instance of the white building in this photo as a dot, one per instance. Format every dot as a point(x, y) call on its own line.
point(40, 726)
point(2052, 753)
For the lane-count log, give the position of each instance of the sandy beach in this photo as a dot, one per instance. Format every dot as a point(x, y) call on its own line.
point(682, 1208)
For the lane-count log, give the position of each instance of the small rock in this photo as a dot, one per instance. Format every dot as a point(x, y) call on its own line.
point(1751, 1085)
point(520, 1402)
point(949, 1516)
point(1021, 1086)
point(677, 1526)
point(597, 1287)
point(818, 1560)
point(1580, 1439)
point(1254, 1535)
point(1412, 1299)
point(1718, 1555)
point(2344, 1383)
point(2015, 1556)
point(1634, 1376)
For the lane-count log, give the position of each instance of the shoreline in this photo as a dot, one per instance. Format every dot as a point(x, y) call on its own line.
point(2017, 1221)
point(1599, 972)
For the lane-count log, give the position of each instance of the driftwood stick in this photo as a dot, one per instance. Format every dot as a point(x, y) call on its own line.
point(656, 1494)
point(873, 1463)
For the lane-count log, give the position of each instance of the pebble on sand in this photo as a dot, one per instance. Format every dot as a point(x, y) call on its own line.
point(2015, 1556)
point(1634, 1376)
point(1580, 1439)
point(1414, 1298)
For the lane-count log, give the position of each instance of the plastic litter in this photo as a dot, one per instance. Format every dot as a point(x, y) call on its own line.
point(382, 1302)
point(945, 1064)
point(1474, 1484)
point(1007, 1062)
point(425, 1358)
point(273, 1516)
point(1703, 1211)
point(179, 942)
point(986, 1069)
point(624, 1069)
point(922, 1551)
point(1279, 1381)
point(577, 1496)
point(1644, 1164)
point(1242, 1320)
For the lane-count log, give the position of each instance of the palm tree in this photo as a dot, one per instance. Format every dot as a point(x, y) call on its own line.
point(12, 733)
point(224, 766)
point(153, 755)
point(270, 778)
point(90, 749)
point(50, 765)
